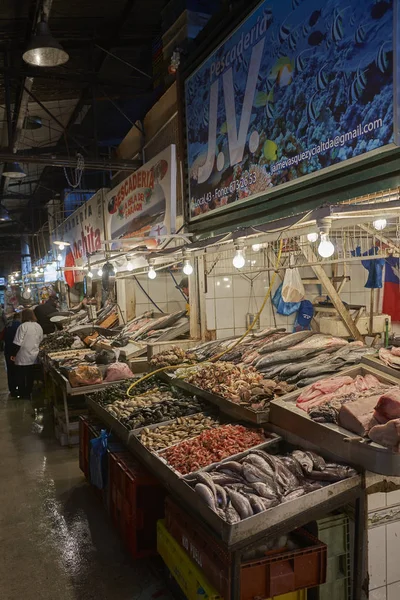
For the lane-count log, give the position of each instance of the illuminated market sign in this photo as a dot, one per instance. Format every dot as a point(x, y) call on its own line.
point(299, 86)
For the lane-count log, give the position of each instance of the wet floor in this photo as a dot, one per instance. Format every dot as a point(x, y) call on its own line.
point(56, 541)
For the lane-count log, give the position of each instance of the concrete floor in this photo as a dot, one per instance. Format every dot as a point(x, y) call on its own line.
point(56, 541)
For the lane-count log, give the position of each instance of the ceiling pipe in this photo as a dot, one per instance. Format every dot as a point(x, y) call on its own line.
point(97, 164)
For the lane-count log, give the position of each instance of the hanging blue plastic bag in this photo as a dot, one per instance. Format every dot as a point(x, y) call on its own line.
point(98, 460)
point(282, 307)
point(304, 316)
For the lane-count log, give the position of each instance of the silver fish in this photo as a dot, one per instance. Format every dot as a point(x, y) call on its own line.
point(253, 474)
point(222, 498)
point(305, 461)
point(231, 514)
point(206, 494)
point(315, 371)
point(285, 356)
point(264, 490)
point(318, 462)
point(259, 462)
point(206, 479)
point(286, 342)
point(230, 465)
point(241, 504)
point(271, 372)
point(297, 493)
point(293, 465)
point(223, 479)
point(285, 477)
point(256, 502)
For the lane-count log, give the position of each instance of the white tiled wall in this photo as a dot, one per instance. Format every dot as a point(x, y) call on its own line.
point(163, 292)
point(384, 546)
point(229, 292)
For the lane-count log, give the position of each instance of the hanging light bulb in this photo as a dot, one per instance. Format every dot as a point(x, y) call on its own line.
point(380, 224)
point(256, 247)
point(129, 266)
point(239, 260)
point(41, 270)
point(100, 272)
point(90, 274)
point(36, 269)
point(151, 274)
point(61, 246)
point(326, 248)
point(312, 237)
point(187, 267)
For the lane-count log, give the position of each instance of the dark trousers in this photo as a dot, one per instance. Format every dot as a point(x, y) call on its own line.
point(25, 376)
point(11, 376)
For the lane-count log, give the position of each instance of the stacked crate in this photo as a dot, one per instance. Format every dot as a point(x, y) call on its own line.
point(334, 531)
point(132, 497)
point(276, 573)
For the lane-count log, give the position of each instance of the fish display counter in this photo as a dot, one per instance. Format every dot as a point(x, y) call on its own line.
point(240, 480)
point(387, 360)
point(355, 413)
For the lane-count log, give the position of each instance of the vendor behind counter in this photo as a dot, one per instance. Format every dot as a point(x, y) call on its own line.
point(44, 312)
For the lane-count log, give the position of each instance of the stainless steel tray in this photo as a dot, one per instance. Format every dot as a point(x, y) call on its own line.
point(111, 422)
point(245, 529)
point(236, 411)
point(376, 363)
point(330, 437)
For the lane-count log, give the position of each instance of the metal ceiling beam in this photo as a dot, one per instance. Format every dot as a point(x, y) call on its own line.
point(99, 164)
point(83, 79)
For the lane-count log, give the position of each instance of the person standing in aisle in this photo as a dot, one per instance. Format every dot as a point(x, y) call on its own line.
point(3, 323)
point(9, 336)
point(25, 351)
point(44, 312)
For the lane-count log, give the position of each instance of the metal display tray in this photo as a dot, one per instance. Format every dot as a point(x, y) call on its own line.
point(111, 422)
point(330, 437)
point(235, 533)
point(376, 363)
point(236, 411)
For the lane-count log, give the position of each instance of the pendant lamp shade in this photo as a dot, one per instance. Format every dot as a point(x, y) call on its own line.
point(44, 50)
point(13, 170)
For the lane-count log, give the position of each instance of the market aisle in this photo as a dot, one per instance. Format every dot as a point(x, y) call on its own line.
point(55, 539)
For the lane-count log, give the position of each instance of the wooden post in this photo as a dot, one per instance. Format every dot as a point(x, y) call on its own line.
point(330, 290)
point(371, 312)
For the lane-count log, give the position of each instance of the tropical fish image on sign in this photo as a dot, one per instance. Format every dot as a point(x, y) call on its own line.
point(300, 85)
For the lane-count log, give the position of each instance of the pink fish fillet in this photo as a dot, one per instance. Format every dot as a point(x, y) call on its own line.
point(324, 386)
point(388, 406)
point(387, 435)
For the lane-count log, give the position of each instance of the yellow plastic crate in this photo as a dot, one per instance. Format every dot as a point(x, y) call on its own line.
point(189, 577)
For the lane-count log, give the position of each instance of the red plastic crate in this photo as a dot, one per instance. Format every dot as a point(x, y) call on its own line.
point(272, 575)
point(136, 503)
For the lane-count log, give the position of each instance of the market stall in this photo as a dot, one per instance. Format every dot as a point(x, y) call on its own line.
point(169, 430)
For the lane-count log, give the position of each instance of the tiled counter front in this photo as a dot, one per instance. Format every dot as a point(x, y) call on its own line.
point(383, 537)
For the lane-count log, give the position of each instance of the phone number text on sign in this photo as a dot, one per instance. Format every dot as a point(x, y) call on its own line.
point(220, 194)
